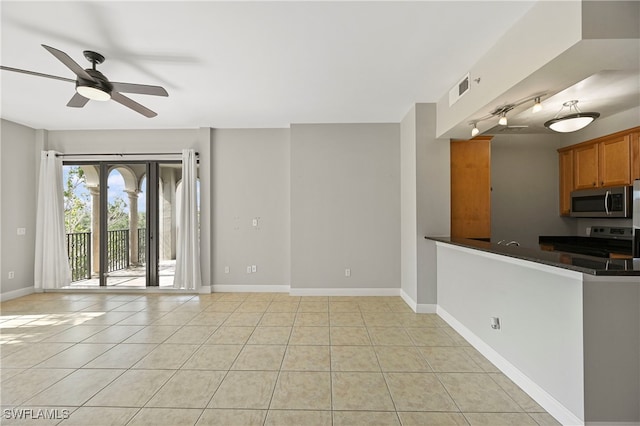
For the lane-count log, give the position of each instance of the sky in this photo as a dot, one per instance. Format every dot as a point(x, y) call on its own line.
point(116, 188)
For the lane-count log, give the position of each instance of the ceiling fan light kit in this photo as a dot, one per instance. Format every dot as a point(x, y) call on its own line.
point(91, 84)
point(99, 88)
point(93, 93)
point(573, 121)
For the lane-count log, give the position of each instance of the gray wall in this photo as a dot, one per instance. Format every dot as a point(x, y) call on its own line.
point(425, 203)
point(434, 197)
point(345, 205)
point(19, 174)
point(525, 195)
point(408, 207)
point(251, 180)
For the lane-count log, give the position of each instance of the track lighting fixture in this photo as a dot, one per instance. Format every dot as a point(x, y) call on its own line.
point(503, 110)
point(474, 131)
point(537, 106)
point(572, 121)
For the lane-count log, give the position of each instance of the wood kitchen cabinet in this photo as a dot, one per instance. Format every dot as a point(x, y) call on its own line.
point(635, 155)
point(602, 163)
point(585, 166)
point(612, 160)
point(566, 181)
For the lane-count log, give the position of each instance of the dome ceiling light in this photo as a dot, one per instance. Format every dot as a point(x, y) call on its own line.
point(573, 121)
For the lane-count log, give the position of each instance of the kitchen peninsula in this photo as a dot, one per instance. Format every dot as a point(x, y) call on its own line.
point(564, 327)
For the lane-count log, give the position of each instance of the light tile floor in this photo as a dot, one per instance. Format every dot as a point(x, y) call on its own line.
point(244, 359)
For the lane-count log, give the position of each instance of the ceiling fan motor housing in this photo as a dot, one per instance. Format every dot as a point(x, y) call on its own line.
point(101, 83)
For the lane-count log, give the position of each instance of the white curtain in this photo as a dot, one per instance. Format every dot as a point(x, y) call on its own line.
point(187, 273)
point(51, 261)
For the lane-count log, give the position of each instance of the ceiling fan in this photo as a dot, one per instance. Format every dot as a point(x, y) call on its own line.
point(91, 84)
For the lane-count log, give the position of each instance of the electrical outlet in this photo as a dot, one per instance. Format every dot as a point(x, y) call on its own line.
point(347, 272)
point(248, 269)
point(254, 268)
point(495, 323)
point(226, 269)
point(12, 275)
point(21, 231)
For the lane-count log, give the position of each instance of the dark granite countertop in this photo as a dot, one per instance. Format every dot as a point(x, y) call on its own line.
point(604, 245)
point(574, 262)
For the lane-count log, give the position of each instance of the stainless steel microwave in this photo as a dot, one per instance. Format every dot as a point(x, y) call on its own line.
point(612, 202)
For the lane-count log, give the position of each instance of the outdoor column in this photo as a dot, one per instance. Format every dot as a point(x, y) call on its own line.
point(95, 228)
point(133, 226)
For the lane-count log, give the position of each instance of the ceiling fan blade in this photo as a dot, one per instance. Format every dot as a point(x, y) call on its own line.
point(37, 74)
point(70, 63)
point(142, 89)
point(130, 103)
point(77, 101)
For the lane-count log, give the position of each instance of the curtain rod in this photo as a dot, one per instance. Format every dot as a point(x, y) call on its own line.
point(122, 155)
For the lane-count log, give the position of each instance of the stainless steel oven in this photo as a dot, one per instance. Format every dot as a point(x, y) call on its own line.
point(613, 202)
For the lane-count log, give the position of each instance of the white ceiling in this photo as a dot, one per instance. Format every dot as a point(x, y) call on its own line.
point(241, 64)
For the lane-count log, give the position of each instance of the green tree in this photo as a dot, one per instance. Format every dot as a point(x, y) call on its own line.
point(117, 214)
point(142, 219)
point(77, 213)
point(77, 205)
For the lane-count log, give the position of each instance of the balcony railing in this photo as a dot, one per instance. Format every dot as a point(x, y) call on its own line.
point(142, 246)
point(79, 252)
point(117, 250)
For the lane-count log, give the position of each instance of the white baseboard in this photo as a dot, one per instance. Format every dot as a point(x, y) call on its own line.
point(612, 424)
point(409, 300)
point(427, 308)
point(344, 292)
point(205, 289)
point(14, 294)
point(231, 288)
point(546, 401)
point(418, 308)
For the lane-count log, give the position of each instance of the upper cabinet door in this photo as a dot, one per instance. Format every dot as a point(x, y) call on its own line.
point(585, 166)
point(566, 181)
point(614, 161)
point(635, 155)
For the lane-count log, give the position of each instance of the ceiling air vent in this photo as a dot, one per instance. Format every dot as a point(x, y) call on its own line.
point(458, 90)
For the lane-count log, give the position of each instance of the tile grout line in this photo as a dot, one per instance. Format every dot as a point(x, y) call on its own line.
point(184, 324)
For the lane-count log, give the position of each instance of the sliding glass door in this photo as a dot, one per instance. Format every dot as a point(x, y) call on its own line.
point(121, 222)
point(127, 255)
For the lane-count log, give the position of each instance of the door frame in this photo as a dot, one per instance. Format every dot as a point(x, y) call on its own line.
point(151, 232)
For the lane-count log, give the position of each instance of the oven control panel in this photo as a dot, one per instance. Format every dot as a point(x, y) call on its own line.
point(611, 232)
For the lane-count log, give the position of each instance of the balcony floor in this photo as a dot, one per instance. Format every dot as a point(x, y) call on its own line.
point(132, 277)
